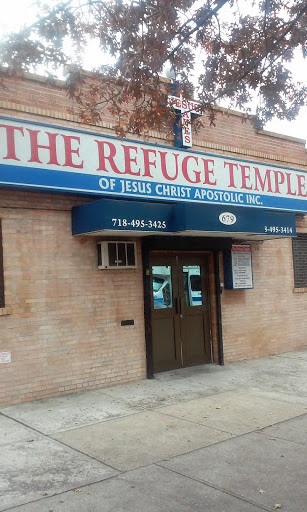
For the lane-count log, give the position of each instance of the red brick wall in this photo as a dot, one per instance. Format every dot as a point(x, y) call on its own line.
point(62, 320)
point(63, 329)
point(271, 318)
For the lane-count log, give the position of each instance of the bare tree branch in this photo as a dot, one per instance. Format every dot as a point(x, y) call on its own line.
point(199, 24)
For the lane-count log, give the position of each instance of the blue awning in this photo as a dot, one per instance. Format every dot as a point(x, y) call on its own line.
point(140, 218)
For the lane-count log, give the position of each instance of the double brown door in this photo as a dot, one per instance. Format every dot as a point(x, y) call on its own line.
point(180, 310)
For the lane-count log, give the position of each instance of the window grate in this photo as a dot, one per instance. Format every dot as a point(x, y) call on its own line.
point(299, 248)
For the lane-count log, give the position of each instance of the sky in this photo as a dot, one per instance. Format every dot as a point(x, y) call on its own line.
point(16, 13)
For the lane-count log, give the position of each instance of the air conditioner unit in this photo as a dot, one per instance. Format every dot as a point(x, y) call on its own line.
point(116, 255)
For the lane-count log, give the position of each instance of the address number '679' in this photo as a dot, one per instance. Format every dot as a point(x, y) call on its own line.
point(227, 218)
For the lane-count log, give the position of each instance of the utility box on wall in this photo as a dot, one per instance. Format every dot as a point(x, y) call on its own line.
point(238, 268)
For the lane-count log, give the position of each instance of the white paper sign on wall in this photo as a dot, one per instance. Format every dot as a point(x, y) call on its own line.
point(5, 357)
point(242, 273)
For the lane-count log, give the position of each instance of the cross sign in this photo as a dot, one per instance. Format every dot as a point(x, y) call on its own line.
point(185, 109)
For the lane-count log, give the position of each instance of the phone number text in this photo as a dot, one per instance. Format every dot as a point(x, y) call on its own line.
point(139, 223)
point(277, 229)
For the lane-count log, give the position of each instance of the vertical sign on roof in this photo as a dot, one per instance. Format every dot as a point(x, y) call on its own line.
point(185, 109)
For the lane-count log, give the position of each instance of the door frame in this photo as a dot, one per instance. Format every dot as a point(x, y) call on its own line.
point(211, 246)
point(179, 314)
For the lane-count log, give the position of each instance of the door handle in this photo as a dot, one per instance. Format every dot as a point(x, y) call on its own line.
point(176, 305)
point(181, 307)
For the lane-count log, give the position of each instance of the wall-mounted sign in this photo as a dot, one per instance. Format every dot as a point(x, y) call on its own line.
point(238, 268)
point(47, 157)
point(5, 357)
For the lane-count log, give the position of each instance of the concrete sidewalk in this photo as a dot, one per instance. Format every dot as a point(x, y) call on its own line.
point(209, 438)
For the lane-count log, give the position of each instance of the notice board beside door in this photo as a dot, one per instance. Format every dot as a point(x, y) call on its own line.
point(238, 268)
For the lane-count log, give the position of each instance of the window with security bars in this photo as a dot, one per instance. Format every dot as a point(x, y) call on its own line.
point(299, 245)
point(1, 271)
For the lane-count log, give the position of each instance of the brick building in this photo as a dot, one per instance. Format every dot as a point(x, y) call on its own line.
point(67, 322)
